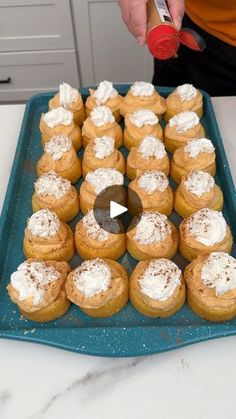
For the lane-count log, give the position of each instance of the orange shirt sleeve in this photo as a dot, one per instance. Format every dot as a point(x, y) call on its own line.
point(216, 17)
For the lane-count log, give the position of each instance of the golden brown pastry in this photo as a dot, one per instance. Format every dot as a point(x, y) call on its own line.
point(157, 288)
point(142, 95)
point(60, 121)
point(140, 124)
point(99, 287)
point(60, 157)
point(149, 154)
point(57, 194)
point(205, 231)
point(97, 235)
point(96, 182)
point(70, 99)
point(181, 128)
point(197, 154)
point(152, 235)
point(211, 286)
point(104, 94)
point(101, 122)
point(153, 190)
point(197, 190)
point(37, 288)
point(101, 152)
point(48, 238)
point(184, 98)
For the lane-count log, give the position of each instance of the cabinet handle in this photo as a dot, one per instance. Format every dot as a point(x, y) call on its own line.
point(6, 81)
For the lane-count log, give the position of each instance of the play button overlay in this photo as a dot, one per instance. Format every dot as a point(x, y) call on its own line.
point(115, 202)
point(116, 209)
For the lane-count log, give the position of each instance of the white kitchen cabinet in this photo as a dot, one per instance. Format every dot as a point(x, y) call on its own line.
point(35, 72)
point(106, 49)
point(29, 25)
point(37, 47)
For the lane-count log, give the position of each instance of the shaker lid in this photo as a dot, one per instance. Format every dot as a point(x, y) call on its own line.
point(163, 41)
point(192, 39)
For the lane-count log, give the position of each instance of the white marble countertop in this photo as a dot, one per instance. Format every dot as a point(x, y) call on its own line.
point(38, 382)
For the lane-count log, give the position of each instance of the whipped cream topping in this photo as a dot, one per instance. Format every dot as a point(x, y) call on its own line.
point(186, 92)
point(160, 279)
point(143, 117)
point(51, 184)
point(152, 147)
point(101, 115)
point(153, 181)
point(57, 146)
point(219, 272)
point(43, 224)
point(152, 227)
point(198, 182)
point(102, 178)
point(142, 88)
point(103, 147)
point(104, 91)
point(92, 277)
point(199, 145)
point(58, 116)
point(184, 121)
point(207, 226)
point(67, 95)
point(31, 278)
point(100, 226)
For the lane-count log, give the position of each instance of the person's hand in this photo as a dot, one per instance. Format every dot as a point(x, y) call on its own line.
point(176, 8)
point(134, 14)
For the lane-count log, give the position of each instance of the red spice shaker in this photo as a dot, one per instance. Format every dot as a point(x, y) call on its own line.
point(163, 39)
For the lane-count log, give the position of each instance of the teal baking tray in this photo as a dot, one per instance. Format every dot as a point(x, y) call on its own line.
point(127, 333)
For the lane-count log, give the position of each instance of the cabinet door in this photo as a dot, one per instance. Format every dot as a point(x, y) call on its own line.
point(35, 25)
point(105, 47)
point(27, 73)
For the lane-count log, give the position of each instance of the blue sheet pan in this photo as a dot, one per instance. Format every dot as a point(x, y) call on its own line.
point(127, 333)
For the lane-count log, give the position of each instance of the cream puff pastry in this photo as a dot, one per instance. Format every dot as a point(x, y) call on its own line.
point(197, 154)
point(152, 235)
point(48, 238)
point(98, 181)
point(37, 288)
point(140, 124)
point(97, 235)
point(142, 95)
point(205, 231)
point(60, 121)
point(70, 99)
point(157, 288)
point(57, 194)
point(181, 128)
point(152, 188)
point(60, 157)
point(101, 122)
point(99, 287)
point(211, 286)
point(197, 190)
point(184, 98)
point(149, 154)
point(104, 94)
point(101, 152)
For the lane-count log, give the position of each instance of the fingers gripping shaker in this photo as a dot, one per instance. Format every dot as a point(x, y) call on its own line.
point(163, 39)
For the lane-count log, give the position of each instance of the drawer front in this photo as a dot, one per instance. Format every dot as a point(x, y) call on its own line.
point(35, 25)
point(25, 74)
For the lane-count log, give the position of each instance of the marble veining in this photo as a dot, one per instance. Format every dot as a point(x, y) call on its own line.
point(5, 395)
point(94, 383)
